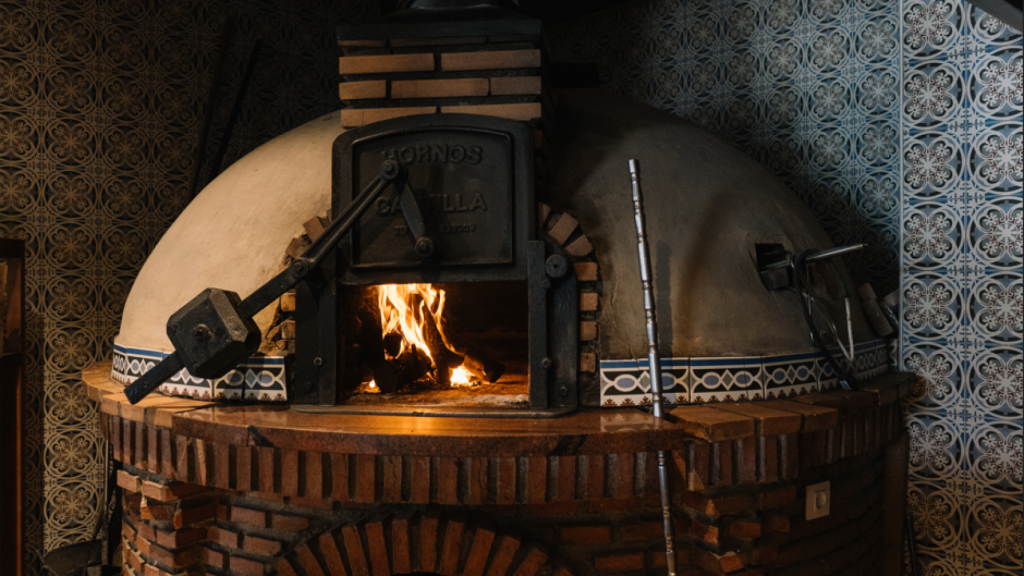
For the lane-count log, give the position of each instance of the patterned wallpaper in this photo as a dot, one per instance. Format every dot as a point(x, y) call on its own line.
point(99, 115)
point(899, 123)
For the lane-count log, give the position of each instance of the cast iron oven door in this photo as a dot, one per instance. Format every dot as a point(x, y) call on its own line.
point(466, 215)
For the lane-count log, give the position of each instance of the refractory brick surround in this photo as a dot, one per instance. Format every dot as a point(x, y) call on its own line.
point(738, 474)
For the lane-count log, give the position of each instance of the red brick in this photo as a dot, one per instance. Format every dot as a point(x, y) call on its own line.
point(332, 556)
point(705, 532)
point(745, 530)
point(514, 85)
point(213, 558)
point(445, 88)
point(245, 566)
point(478, 552)
point(503, 557)
point(451, 547)
point(261, 546)
point(183, 518)
point(764, 555)
point(586, 535)
point(735, 504)
point(363, 90)
point(386, 63)
point(173, 559)
point(586, 271)
point(779, 498)
point(248, 516)
point(428, 540)
point(613, 504)
point(146, 531)
point(776, 523)
point(284, 568)
point(620, 563)
point(308, 561)
point(401, 557)
point(490, 60)
point(532, 563)
point(289, 523)
point(645, 531)
point(378, 548)
point(129, 482)
point(354, 548)
point(223, 537)
point(718, 563)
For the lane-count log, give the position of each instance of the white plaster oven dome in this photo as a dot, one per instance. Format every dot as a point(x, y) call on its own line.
point(234, 234)
point(707, 204)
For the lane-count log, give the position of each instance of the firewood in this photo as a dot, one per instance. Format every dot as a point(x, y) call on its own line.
point(393, 375)
point(444, 359)
point(393, 344)
point(370, 338)
point(477, 362)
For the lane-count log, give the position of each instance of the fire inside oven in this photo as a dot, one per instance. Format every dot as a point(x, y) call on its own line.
point(454, 344)
point(443, 296)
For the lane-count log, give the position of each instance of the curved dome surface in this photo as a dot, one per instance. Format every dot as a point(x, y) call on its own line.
point(234, 234)
point(707, 204)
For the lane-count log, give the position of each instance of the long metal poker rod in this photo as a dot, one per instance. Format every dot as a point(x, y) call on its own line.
point(653, 359)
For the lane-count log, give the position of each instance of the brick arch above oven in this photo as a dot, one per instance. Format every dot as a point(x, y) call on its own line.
point(431, 541)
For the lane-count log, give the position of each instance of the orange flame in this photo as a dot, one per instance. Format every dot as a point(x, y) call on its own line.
point(398, 315)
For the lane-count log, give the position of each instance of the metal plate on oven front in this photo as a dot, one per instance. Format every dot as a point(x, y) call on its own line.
point(463, 183)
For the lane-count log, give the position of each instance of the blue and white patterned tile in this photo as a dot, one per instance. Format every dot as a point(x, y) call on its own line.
point(790, 375)
point(935, 514)
point(726, 379)
point(628, 382)
point(931, 28)
point(994, 530)
point(995, 230)
point(933, 94)
point(936, 444)
point(933, 164)
point(995, 456)
point(996, 158)
point(932, 235)
point(941, 374)
point(994, 306)
point(996, 381)
point(933, 304)
point(995, 84)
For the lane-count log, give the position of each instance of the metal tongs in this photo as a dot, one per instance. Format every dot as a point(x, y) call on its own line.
point(792, 271)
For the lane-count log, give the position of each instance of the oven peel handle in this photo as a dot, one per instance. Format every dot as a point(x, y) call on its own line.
point(263, 296)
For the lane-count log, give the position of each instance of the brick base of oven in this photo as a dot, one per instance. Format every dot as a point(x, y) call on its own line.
point(738, 529)
point(259, 490)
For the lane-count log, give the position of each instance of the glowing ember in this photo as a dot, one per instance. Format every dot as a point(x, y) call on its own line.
point(460, 377)
point(373, 383)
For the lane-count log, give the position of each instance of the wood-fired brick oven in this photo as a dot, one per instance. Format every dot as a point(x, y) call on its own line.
point(511, 196)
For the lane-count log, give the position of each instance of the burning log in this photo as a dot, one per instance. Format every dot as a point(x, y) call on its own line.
point(392, 375)
point(477, 362)
point(444, 359)
point(393, 344)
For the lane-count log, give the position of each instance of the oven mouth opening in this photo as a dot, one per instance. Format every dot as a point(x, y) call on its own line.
point(436, 346)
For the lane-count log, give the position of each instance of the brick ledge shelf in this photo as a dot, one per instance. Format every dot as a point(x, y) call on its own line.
point(254, 489)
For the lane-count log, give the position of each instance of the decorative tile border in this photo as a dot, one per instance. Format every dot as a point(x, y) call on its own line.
point(258, 378)
point(628, 382)
point(702, 380)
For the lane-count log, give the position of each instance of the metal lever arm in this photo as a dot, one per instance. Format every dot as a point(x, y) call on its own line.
point(270, 291)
